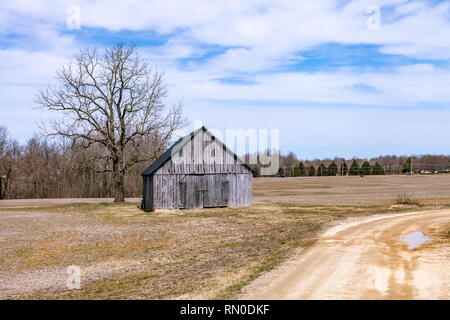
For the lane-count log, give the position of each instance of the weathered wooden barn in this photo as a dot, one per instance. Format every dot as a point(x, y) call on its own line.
point(197, 171)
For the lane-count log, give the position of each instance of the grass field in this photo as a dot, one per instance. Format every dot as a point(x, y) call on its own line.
point(125, 253)
point(359, 191)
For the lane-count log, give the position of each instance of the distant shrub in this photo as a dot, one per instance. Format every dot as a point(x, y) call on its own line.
point(322, 170)
point(332, 169)
point(297, 172)
point(366, 168)
point(302, 169)
point(311, 171)
point(344, 168)
point(405, 198)
point(378, 169)
point(354, 168)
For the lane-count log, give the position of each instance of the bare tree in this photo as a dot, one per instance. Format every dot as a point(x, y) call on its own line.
point(3, 146)
point(114, 100)
point(9, 151)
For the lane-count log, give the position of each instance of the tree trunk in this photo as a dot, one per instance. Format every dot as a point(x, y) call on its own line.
point(118, 182)
point(120, 190)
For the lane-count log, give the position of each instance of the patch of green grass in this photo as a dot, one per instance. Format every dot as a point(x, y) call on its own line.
point(235, 244)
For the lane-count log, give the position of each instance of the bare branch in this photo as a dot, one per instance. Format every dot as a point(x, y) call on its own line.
point(113, 100)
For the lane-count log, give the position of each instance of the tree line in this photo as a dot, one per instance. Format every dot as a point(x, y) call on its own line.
point(42, 168)
point(333, 169)
point(291, 166)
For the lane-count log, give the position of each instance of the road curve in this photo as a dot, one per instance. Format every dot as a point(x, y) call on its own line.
point(363, 259)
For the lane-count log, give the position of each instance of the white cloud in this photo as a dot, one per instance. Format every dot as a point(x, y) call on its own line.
point(22, 67)
point(403, 86)
point(258, 39)
point(417, 29)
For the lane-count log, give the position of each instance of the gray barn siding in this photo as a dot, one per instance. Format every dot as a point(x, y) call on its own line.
point(227, 164)
point(148, 191)
point(167, 193)
point(198, 182)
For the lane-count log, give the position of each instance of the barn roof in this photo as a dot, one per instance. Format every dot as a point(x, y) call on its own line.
point(158, 163)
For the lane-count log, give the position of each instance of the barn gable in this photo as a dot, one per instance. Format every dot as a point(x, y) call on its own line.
point(196, 142)
point(197, 171)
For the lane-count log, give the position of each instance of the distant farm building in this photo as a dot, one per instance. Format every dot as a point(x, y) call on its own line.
point(198, 171)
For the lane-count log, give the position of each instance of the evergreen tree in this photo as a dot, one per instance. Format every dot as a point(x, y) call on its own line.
point(366, 168)
point(311, 171)
point(407, 166)
point(322, 170)
point(344, 168)
point(302, 169)
point(332, 169)
point(354, 168)
point(281, 171)
point(378, 169)
point(296, 171)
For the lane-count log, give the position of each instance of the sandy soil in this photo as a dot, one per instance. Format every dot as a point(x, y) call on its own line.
point(362, 259)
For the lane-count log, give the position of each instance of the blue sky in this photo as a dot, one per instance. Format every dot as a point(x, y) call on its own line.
point(317, 70)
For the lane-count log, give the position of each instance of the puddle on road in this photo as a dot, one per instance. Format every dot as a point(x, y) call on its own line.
point(440, 219)
point(415, 239)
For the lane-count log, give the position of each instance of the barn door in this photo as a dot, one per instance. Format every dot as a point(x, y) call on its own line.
point(209, 192)
point(225, 193)
point(198, 191)
point(190, 191)
point(215, 191)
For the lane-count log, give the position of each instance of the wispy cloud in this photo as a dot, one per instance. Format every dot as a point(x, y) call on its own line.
point(253, 54)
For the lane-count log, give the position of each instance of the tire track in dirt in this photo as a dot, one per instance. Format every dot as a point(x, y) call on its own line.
point(363, 259)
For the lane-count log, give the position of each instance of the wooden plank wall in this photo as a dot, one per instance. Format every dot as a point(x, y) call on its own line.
point(166, 190)
point(148, 192)
point(214, 160)
point(197, 172)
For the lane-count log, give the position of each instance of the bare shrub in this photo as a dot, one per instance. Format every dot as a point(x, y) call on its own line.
point(406, 198)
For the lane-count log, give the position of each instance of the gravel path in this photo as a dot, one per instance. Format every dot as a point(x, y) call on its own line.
point(363, 259)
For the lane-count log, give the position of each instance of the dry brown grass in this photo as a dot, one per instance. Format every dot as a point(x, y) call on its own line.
point(354, 191)
point(446, 233)
point(406, 199)
point(442, 232)
point(125, 253)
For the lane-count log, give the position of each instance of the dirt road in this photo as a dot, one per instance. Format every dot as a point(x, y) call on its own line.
point(363, 259)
